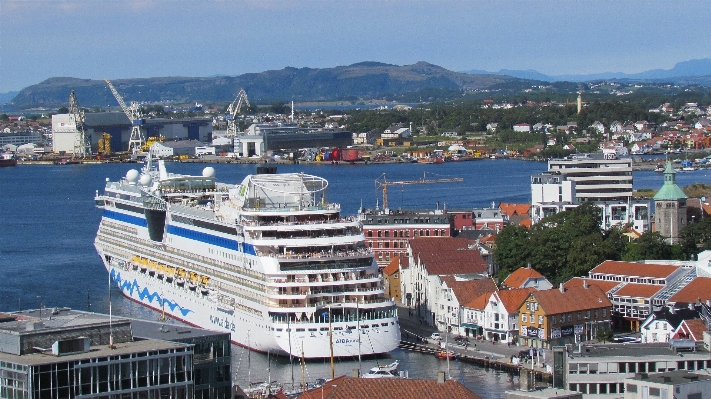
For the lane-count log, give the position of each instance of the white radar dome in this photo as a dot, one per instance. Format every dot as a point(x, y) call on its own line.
point(132, 176)
point(145, 180)
point(208, 172)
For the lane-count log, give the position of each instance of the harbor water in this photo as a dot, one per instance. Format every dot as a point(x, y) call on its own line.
point(48, 222)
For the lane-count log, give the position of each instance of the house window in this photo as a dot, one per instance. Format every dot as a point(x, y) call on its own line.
point(570, 317)
point(380, 233)
point(587, 314)
point(604, 313)
point(540, 319)
point(524, 317)
point(596, 313)
point(580, 316)
point(553, 319)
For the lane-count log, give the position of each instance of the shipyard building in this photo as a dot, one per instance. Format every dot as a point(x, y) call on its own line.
point(117, 126)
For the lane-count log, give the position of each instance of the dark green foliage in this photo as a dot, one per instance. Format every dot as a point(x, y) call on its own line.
point(649, 246)
point(696, 237)
point(561, 246)
point(603, 335)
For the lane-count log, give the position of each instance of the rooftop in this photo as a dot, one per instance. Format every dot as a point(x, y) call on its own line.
point(389, 388)
point(572, 299)
point(94, 352)
point(676, 377)
point(447, 256)
point(634, 269)
point(661, 351)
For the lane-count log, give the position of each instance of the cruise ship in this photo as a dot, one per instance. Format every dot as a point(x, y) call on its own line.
point(269, 260)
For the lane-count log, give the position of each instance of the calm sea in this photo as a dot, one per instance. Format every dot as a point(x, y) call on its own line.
point(48, 222)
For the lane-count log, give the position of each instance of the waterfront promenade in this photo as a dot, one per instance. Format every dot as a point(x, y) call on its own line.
point(495, 355)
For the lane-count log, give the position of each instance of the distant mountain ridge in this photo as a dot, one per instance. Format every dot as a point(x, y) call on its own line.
point(362, 80)
point(680, 73)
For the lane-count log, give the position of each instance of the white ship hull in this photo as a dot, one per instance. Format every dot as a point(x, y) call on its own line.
point(300, 313)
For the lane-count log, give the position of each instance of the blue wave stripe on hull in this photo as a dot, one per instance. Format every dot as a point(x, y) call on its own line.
point(122, 217)
point(125, 285)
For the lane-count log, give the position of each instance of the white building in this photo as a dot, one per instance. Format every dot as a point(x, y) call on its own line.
point(65, 135)
point(670, 384)
point(501, 314)
point(603, 179)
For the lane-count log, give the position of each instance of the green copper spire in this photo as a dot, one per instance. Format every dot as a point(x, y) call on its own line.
point(669, 191)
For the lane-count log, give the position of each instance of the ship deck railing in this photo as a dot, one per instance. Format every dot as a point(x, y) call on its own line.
point(257, 235)
point(273, 208)
point(318, 255)
point(355, 290)
point(324, 305)
point(246, 222)
point(349, 278)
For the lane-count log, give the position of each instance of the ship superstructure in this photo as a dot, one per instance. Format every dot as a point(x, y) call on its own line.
point(269, 260)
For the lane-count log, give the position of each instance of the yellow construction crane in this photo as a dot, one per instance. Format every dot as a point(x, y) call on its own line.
point(381, 182)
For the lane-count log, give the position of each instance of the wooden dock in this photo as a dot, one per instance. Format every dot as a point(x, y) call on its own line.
point(483, 361)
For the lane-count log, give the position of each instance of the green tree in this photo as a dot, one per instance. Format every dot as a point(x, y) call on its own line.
point(696, 237)
point(650, 245)
point(63, 110)
point(603, 335)
point(512, 249)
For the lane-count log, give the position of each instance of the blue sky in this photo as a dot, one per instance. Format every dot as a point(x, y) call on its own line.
point(125, 39)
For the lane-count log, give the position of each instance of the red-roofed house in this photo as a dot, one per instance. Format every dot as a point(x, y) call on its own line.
point(606, 286)
point(561, 316)
point(697, 290)
point(691, 329)
point(391, 279)
point(455, 293)
point(430, 258)
point(525, 277)
point(473, 315)
point(501, 314)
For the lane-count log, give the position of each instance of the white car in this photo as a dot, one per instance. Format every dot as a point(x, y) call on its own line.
point(435, 336)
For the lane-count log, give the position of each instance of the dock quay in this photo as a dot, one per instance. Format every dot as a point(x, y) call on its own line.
point(494, 356)
point(482, 360)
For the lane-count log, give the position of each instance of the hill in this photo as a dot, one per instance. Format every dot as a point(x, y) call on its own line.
point(685, 72)
point(365, 80)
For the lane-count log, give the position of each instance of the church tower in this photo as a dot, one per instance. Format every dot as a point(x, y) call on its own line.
point(670, 207)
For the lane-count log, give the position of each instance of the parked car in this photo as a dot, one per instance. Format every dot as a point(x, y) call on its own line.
point(435, 336)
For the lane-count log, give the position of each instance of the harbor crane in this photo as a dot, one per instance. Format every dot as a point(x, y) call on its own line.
point(382, 182)
point(82, 148)
point(233, 110)
point(134, 114)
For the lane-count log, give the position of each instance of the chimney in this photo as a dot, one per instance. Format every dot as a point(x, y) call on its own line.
point(562, 290)
point(672, 310)
point(355, 373)
point(440, 377)
point(585, 284)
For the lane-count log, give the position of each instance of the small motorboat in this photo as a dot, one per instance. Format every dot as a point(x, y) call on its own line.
point(444, 355)
point(385, 371)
